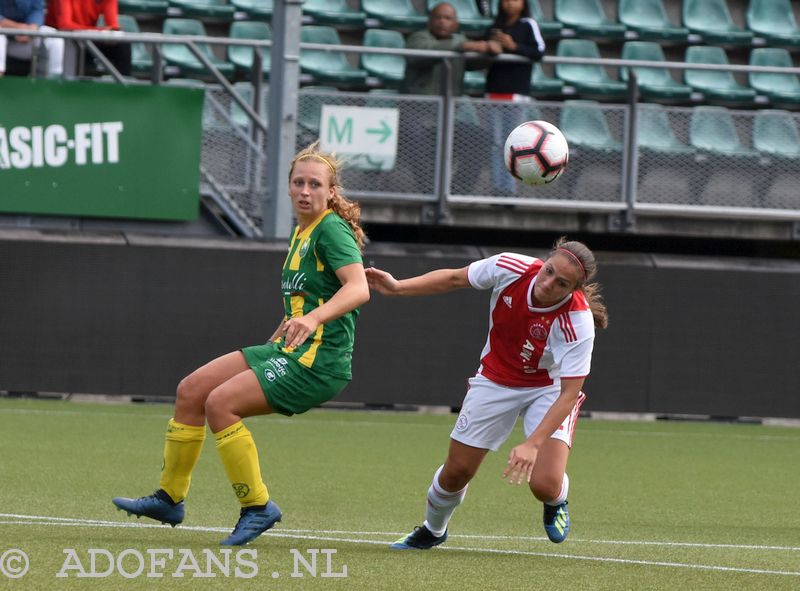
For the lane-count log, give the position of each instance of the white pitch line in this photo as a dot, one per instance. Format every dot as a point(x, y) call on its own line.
point(80, 521)
point(308, 535)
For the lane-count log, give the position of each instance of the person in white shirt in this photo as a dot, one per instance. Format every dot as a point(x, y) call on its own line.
point(542, 319)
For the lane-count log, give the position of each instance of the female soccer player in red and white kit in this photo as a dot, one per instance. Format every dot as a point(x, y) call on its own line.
point(542, 319)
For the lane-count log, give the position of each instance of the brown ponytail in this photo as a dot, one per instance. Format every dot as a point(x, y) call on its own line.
point(581, 256)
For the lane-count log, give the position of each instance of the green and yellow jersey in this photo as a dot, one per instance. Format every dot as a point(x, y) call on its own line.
point(309, 280)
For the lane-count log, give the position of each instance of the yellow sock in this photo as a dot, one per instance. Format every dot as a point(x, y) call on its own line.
point(182, 446)
point(240, 457)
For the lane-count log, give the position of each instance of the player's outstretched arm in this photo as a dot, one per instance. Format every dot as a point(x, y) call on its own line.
point(434, 282)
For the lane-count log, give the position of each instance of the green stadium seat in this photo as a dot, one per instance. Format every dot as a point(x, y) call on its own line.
point(649, 20)
point(309, 109)
point(776, 136)
point(474, 83)
point(654, 132)
point(335, 13)
point(145, 8)
point(716, 85)
point(655, 83)
point(588, 19)
point(259, 10)
point(178, 54)
point(395, 14)
point(544, 85)
point(242, 57)
point(774, 20)
point(780, 88)
point(141, 60)
point(213, 10)
point(329, 67)
point(245, 90)
point(713, 130)
point(469, 18)
point(389, 69)
point(584, 124)
point(587, 79)
point(548, 28)
point(775, 133)
point(712, 20)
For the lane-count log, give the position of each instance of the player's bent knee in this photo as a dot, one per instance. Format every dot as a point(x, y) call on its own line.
point(545, 488)
point(191, 392)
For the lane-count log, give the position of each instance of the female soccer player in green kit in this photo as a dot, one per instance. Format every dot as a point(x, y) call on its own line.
point(306, 361)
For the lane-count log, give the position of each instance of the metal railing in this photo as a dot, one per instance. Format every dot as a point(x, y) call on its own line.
point(619, 180)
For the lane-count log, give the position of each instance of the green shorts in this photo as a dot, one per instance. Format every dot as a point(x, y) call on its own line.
point(290, 388)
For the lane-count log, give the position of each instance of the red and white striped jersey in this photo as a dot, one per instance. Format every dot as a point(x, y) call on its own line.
point(527, 346)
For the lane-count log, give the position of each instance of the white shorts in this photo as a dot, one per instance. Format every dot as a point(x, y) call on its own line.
point(490, 412)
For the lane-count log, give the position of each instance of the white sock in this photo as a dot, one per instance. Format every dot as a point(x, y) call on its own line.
point(441, 504)
point(562, 496)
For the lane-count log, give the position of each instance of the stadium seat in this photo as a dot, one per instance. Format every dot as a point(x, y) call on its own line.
point(586, 78)
point(260, 10)
point(469, 18)
point(178, 54)
point(649, 20)
point(713, 130)
point(775, 133)
point(309, 109)
point(549, 28)
point(213, 10)
point(329, 67)
point(655, 133)
point(656, 83)
point(395, 14)
point(154, 8)
point(245, 90)
point(474, 82)
point(389, 69)
point(544, 85)
point(242, 57)
point(716, 85)
point(780, 88)
point(712, 20)
point(141, 60)
point(335, 13)
point(774, 20)
point(584, 124)
point(587, 18)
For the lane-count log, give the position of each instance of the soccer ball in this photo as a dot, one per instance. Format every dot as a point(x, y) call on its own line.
point(536, 152)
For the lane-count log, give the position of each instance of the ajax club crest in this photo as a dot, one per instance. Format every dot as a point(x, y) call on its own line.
point(538, 330)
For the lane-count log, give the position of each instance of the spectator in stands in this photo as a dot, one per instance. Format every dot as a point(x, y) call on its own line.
point(537, 356)
point(84, 15)
point(426, 75)
point(29, 15)
point(429, 76)
point(304, 363)
point(516, 32)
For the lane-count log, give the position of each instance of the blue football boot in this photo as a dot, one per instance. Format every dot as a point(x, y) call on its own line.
point(158, 506)
point(253, 521)
point(556, 522)
point(419, 539)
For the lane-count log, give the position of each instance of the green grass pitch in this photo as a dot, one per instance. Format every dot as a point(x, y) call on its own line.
point(659, 505)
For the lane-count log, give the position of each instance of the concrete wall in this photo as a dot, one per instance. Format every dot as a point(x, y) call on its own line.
point(121, 314)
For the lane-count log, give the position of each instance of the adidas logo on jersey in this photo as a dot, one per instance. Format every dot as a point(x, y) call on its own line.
point(507, 300)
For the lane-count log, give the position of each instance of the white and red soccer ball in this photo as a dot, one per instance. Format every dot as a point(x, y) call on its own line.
point(536, 152)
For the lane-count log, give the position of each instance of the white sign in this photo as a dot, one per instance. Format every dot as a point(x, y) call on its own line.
point(365, 137)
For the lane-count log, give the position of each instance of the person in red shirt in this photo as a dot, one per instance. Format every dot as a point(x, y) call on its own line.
point(83, 15)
